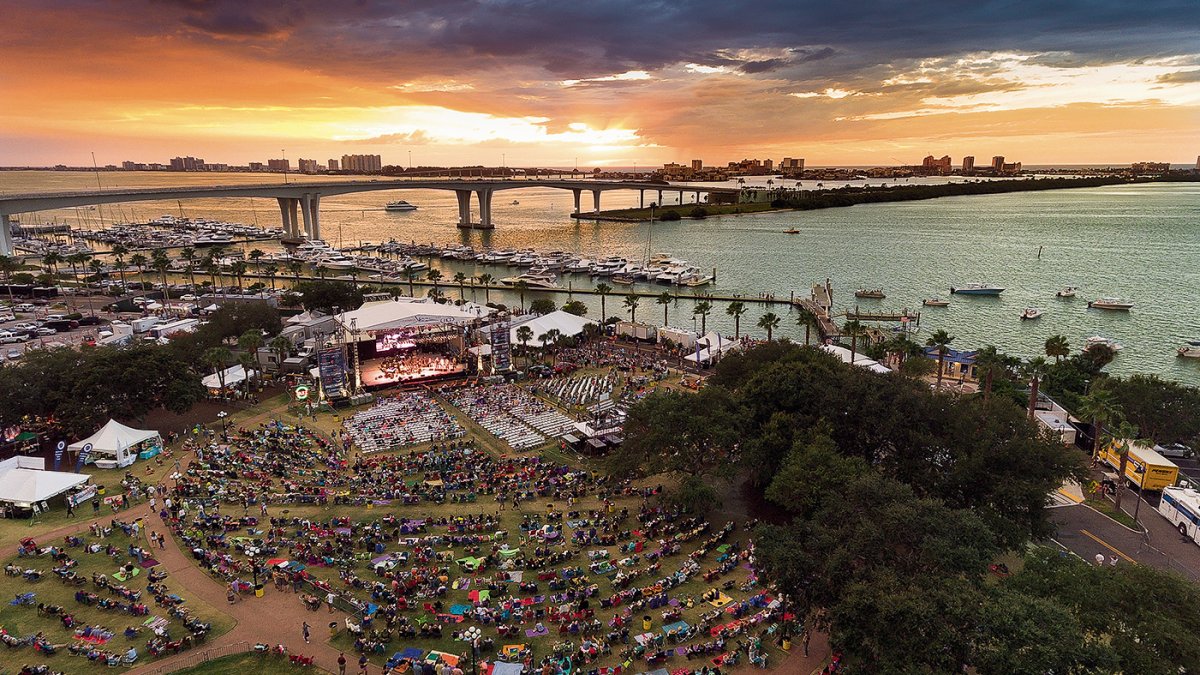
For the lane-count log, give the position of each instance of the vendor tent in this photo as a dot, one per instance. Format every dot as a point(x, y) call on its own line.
point(233, 376)
point(117, 441)
point(24, 486)
point(567, 324)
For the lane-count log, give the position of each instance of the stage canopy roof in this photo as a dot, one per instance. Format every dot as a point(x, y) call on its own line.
point(387, 314)
point(567, 324)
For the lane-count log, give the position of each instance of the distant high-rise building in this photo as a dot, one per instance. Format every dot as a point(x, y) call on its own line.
point(187, 164)
point(789, 166)
point(968, 164)
point(129, 166)
point(1151, 167)
point(998, 163)
point(769, 164)
point(1198, 162)
point(697, 165)
point(256, 166)
point(937, 165)
point(307, 165)
point(333, 165)
point(278, 165)
point(362, 163)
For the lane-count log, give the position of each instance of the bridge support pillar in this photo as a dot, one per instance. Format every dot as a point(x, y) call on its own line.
point(660, 199)
point(306, 213)
point(288, 208)
point(485, 209)
point(641, 199)
point(596, 200)
point(464, 207)
point(681, 197)
point(315, 208)
point(577, 194)
point(5, 235)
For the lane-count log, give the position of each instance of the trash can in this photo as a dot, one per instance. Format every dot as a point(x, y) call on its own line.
point(787, 644)
point(646, 623)
point(258, 590)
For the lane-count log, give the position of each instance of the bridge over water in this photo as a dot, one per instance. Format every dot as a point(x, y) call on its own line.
point(300, 203)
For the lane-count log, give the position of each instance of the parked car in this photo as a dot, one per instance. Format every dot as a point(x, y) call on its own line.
point(1176, 450)
point(189, 297)
point(24, 325)
point(43, 331)
point(13, 354)
point(25, 307)
point(8, 338)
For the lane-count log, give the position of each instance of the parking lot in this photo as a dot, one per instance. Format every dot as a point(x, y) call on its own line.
point(28, 325)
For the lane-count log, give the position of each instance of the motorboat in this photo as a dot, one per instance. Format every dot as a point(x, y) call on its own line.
point(698, 280)
point(606, 267)
point(1112, 304)
point(337, 262)
point(1194, 343)
point(1096, 340)
point(622, 279)
point(399, 206)
point(875, 294)
point(1032, 313)
point(212, 239)
point(1066, 292)
point(977, 288)
point(533, 280)
point(1190, 351)
point(792, 231)
point(935, 302)
point(581, 266)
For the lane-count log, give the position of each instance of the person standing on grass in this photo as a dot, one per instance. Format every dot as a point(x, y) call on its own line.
point(306, 630)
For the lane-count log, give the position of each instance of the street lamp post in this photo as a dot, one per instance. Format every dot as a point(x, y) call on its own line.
point(471, 636)
point(224, 425)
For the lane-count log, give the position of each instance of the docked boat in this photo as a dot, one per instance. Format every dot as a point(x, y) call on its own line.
point(792, 231)
point(337, 262)
point(977, 288)
point(1032, 313)
point(1097, 340)
point(1190, 352)
point(399, 206)
point(533, 280)
point(622, 279)
point(1112, 304)
point(212, 239)
point(1066, 292)
point(935, 302)
point(876, 293)
point(698, 280)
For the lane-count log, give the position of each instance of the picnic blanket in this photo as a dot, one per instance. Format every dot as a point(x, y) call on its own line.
point(512, 651)
point(479, 595)
point(434, 656)
point(721, 600)
point(534, 632)
point(677, 627)
point(121, 576)
point(147, 563)
point(459, 609)
point(471, 563)
point(644, 639)
point(509, 552)
point(506, 668)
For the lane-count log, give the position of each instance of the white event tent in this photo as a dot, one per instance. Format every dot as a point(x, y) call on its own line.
point(234, 375)
point(117, 441)
point(566, 323)
point(859, 360)
point(24, 481)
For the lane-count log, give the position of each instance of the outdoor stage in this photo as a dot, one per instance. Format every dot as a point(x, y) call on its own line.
point(413, 367)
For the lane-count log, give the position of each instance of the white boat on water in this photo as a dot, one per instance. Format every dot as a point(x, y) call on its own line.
point(532, 280)
point(400, 205)
point(1066, 292)
point(1113, 304)
point(1097, 340)
point(1032, 313)
point(1189, 351)
point(977, 288)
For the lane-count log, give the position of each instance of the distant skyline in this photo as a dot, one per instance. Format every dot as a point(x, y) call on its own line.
point(615, 83)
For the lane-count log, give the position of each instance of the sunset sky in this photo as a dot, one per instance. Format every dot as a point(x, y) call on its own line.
point(612, 83)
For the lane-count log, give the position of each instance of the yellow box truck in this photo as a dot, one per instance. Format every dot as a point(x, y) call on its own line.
point(1145, 468)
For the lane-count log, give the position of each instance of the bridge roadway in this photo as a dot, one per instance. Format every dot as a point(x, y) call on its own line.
point(302, 201)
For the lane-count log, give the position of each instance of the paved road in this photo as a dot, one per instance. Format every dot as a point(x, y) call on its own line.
point(1086, 532)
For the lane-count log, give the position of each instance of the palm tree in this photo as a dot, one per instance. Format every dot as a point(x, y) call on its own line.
point(988, 363)
point(217, 358)
point(524, 335)
point(853, 329)
point(238, 268)
point(96, 267)
point(486, 280)
point(703, 308)
point(554, 335)
point(808, 320)
point(322, 271)
point(52, 260)
point(1058, 347)
point(271, 270)
point(1034, 370)
point(631, 303)
point(139, 261)
point(1101, 407)
point(769, 322)
point(118, 253)
point(461, 280)
point(9, 265)
point(435, 276)
point(411, 274)
point(161, 262)
point(521, 286)
point(256, 255)
point(250, 342)
point(665, 300)
point(736, 309)
point(603, 289)
point(296, 267)
point(213, 268)
point(1125, 432)
point(76, 260)
point(282, 347)
point(188, 255)
point(940, 339)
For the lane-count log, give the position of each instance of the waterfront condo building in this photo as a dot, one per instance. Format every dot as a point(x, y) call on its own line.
point(333, 165)
point(362, 163)
point(278, 165)
point(968, 164)
point(307, 165)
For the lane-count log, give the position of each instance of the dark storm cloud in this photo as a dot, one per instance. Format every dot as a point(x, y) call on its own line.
point(580, 40)
point(1181, 77)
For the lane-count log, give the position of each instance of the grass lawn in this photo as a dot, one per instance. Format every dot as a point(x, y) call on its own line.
point(1109, 509)
point(24, 621)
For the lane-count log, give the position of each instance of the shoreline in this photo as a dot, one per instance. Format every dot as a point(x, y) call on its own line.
point(791, 200)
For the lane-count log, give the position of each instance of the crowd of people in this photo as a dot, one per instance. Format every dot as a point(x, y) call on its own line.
point(510, 413)
point(404, 418)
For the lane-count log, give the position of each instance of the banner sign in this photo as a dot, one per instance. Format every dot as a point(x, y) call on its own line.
point(59, 449)
point(82, 496)
point(84, 452)
point(331, 364)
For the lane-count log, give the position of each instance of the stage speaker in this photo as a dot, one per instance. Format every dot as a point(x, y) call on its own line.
point(361, 399)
